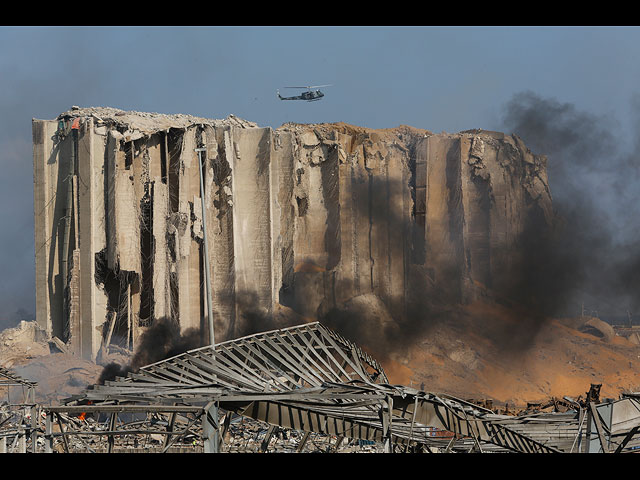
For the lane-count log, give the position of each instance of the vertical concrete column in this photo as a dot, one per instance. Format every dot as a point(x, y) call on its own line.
point(346, 272)
point(35, 420)
point(436, 216)
point(502, 219)
point(47, 210)
point(399, 219)
point(378, 213)
point(48, 433)
point(92, 237)
point(361, 191)
point(498, 226)
point(316, 223)
point(347, 279)
point(250, 153)
point(282, 177)
point(160, 206)
point(418, 232)
point(275, 179)
point(387, 219)
point(444, 220)
point(477, 207)
point(220, 230)
point(209, 157)
point(188, 262)
point(112, 165)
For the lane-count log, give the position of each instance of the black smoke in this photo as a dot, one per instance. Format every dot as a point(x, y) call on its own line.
point(392, 324)
point(587, 259)
point(253, 317)
point(162, 340)
point(366, 326)
point(590, 258)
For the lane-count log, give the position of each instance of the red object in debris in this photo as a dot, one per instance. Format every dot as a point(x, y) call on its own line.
point(83, 415)
point(76, 124)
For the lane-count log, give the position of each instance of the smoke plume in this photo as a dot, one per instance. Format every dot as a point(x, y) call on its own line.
point(590, 259)
point(161, 340)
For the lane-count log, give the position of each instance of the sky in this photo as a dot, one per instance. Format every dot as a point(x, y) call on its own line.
point(437, 78)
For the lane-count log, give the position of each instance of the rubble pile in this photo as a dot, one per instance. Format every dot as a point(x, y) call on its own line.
point(25, 341)
point(249, 436)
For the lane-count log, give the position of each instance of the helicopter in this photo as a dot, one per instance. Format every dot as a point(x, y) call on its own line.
point(310, 95)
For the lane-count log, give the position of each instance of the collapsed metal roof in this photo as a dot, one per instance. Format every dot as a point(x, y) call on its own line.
point(307, 378)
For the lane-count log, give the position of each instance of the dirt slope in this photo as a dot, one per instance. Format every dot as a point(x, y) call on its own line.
point(486, 352)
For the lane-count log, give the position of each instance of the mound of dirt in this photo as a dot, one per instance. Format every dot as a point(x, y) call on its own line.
point(487, 351)
point(59, 376)
point(30, 353)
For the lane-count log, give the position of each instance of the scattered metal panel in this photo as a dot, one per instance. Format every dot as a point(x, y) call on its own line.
point(614, 424)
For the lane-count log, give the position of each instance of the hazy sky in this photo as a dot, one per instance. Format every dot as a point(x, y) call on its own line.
point(437, 78)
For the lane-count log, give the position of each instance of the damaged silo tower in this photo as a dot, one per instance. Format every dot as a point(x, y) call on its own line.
point(118, 222)
point(309, 216)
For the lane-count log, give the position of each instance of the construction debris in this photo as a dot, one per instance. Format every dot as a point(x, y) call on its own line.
point(304, 388)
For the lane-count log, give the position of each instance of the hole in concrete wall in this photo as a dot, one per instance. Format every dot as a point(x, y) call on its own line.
point(146, 252)
point(174, 148)
point(118, 286)
point(174, 291)
point(128, 154)
point(222, 180)
point(303, 205)
point(164, 157)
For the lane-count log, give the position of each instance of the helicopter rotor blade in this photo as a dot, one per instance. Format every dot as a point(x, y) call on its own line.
point(310, 87)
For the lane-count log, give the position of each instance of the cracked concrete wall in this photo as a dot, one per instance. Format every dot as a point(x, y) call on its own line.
point(404, 213)
point(307, 216)
point(139, 225)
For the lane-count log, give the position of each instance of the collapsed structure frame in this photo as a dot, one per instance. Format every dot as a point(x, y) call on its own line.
point(305, 378)
point(312, 380)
